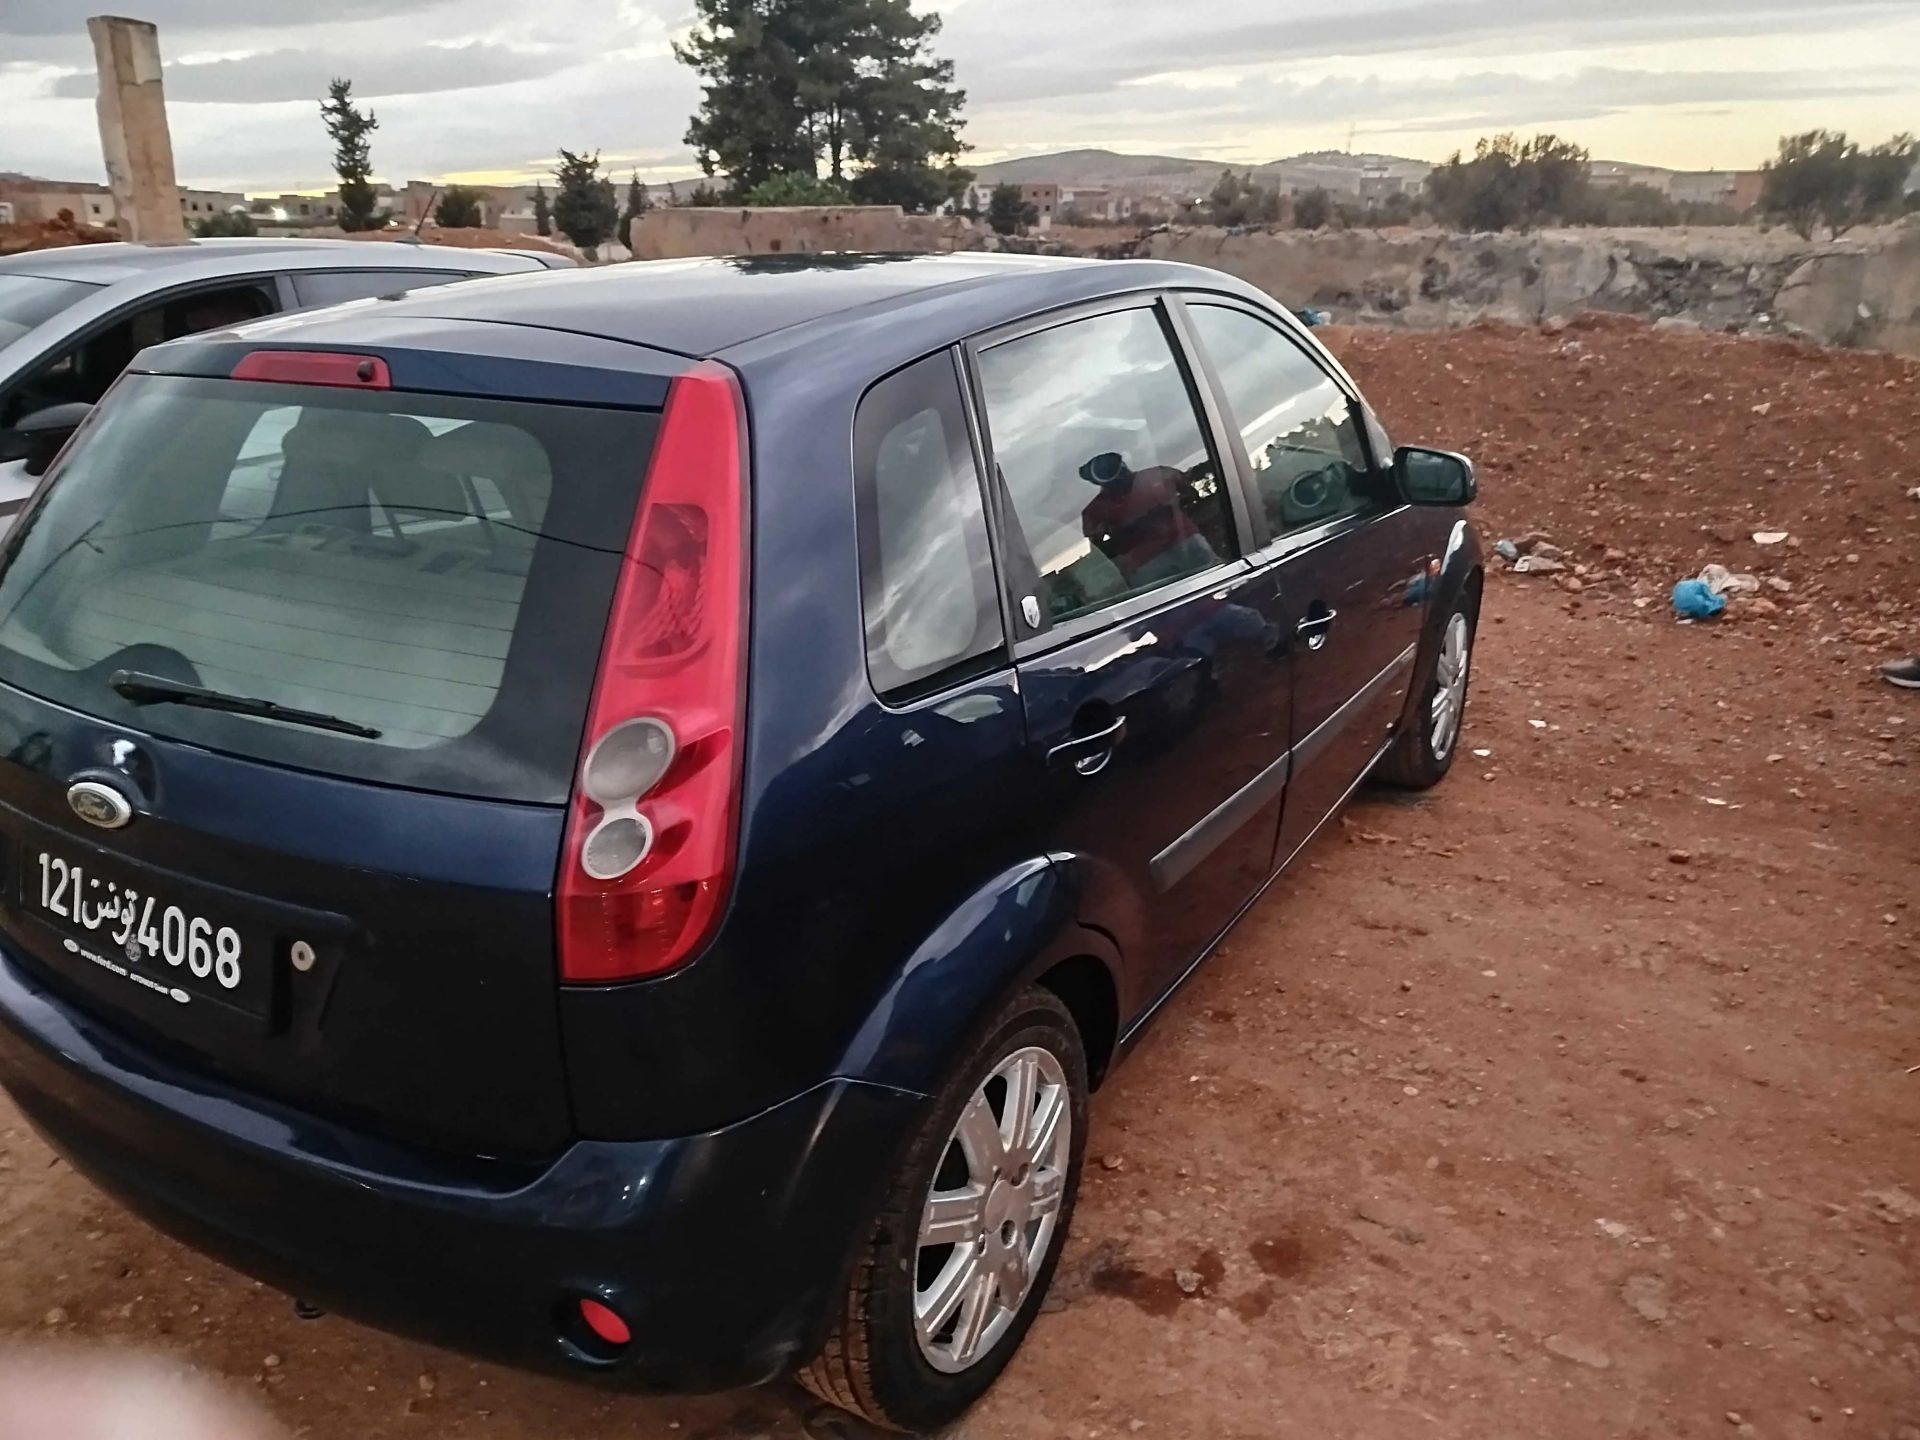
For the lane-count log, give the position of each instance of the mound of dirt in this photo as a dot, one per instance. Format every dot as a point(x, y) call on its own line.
point(1647, 454)
point(51, 235)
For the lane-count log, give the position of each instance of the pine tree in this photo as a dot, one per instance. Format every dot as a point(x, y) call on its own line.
point(459, 208)
point(584, 208)
point(349, 128)
point(818, 87)
point(542, 212)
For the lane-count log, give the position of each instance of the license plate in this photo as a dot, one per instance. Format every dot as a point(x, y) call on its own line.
point(114, 920)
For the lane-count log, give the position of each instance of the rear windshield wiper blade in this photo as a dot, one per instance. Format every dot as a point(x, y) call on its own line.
point(140, 688)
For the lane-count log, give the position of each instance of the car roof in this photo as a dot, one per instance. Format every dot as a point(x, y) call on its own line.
point(115, 263)
point(707, 307)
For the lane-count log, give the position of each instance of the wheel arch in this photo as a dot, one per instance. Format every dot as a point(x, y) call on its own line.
point(1017, 929)
point(1462, 571)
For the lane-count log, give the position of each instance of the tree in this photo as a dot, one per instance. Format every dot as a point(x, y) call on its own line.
point(1809, 179)
point(459, 208)
point(798, 86)
point(1822, 175)
point(1237, 200)
point(234, 223)
point(1396, 209)
point(638, 203)
point(914, 188)
point(796, 189)
point(1312, 210)
point(1883, 173)
point(542, 211)
point(584, 209)
point(1008, 212)
point(349, 127)
point(1510, 184)
point(1635, 203)
point(1223, 201)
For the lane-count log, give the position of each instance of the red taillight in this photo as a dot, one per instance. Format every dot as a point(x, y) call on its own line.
point(672, 658)
point(314, 367)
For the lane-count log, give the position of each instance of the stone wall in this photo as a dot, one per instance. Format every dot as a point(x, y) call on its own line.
point(673, 233)
point(1863, 290)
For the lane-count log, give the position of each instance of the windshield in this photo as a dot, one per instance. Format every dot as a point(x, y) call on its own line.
point(433, 572)
point(28, 300)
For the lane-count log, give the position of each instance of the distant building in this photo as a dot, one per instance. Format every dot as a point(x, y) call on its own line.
point(93, 204)
point(502, 207)
point(297, 210)
point(1096, 202)
point(1748, 186)
point(1045, 200)
point(1608, 175)
point(43, 200)
point(1377, 183)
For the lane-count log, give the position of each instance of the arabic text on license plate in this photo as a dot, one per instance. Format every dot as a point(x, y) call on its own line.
point(140, 925)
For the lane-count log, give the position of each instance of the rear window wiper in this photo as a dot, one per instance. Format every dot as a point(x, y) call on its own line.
point(139, 688)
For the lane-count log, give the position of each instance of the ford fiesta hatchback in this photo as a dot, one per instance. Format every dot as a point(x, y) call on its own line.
point(612, 820)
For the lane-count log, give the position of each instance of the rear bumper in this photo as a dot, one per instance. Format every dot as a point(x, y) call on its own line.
point(723, 1251)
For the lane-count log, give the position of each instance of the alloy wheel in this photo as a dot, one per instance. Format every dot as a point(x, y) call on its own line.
point(1450, 690)
point(992, 1209)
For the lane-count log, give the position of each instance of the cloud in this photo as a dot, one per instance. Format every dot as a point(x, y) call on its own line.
point(63, 17)
point(278, 75)
point(470, 86)
point(1025, 53)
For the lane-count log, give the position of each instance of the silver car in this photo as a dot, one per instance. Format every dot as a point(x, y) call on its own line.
point(72, 319)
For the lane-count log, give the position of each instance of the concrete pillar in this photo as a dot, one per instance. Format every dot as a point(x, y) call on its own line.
point(133, 130)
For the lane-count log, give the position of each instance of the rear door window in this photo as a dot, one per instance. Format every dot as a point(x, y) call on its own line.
point(85, 369)
point(435, 570)
point(27, 301)
point(932, 609)
point(1104, 460)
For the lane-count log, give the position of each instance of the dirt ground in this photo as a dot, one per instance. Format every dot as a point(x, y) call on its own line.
point(1573, 1099)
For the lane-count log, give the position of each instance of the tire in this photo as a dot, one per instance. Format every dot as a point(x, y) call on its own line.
point(875, 1362)
point(1423, 753)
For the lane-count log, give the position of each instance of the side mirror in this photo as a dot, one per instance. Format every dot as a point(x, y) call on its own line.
point(37, 438)
point(1434, 477)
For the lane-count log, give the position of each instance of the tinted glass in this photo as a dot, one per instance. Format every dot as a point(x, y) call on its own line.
point(27, 301)
point(334, 287)
point(1302, 433)
point(84, 372)
point(1104, 460)
point(432, 568)
point(926, 565)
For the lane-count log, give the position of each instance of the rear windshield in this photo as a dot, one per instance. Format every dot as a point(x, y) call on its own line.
point(28, 300)
point(433, 568)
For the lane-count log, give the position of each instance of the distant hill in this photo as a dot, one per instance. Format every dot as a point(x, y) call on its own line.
point(1089, 167)
point(1175, 174)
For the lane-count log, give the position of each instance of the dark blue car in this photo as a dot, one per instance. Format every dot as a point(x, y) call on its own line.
point(612, 820)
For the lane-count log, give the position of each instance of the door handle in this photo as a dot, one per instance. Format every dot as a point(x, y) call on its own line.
point(1316, 628)
point(1089, 754)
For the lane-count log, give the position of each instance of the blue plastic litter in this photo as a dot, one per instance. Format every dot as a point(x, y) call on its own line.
point(1314, 319)
point(1695, 600)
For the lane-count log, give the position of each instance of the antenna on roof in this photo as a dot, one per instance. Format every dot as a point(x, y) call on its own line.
point(1351, 130)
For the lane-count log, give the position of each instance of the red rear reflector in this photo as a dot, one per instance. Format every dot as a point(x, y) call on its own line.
point(315, 367)
point(604, 1323)
point(673, 655)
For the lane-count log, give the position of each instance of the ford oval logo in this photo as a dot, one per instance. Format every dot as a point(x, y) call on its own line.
point(99, 804)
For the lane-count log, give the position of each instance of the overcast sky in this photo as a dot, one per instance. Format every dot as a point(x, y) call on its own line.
point(486, 89)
